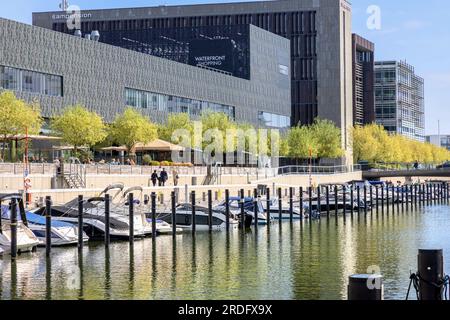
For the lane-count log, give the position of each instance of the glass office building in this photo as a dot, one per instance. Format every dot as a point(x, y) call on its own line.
point(399, 99)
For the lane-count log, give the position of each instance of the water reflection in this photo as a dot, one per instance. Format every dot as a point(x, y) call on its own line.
point(292, 262)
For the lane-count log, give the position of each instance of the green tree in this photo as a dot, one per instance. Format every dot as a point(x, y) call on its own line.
point(131, 128)
point(301, 141)
point(79, 127)
point(221, 124)
point(328, 139)
point(18, 117)
point(175, 123)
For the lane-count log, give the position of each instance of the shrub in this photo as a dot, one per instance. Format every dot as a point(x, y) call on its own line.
point(146, 159)
point(165, 164)
point(155, 163)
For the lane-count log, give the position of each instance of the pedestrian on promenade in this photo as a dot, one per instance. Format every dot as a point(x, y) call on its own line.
point(154, 178)
point(176, 177)
point(164, 177)
point(416, 165)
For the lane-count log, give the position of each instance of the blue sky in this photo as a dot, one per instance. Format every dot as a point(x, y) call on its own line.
point(411, 30)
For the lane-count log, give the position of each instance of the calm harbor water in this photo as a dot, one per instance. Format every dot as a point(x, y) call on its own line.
point(299, 261)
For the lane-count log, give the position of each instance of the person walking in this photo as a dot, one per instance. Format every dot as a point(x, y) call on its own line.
point(164, 177)
point(176, 177)
point(154, 178)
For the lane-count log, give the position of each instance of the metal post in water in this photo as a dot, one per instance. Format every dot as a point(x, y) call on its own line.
point(352, 199)
point(48, 226)
point(365, 199)
point(310, 202)
point(371, 198)
point(193, 217)
point(291, 204)
point(255, 208)
point(415, 195)
point(13, 228)
point(403, 197)
point(319, 201)
point(107, 220)
point(80, 223)
point(327, 190)
point(280, 206)
point(382, 200)
point(153, 213)
point(268, 208)
point(210, 215)
point(174, 213)
point(227, 209)
point(365, 287)
point(407, 197)
point(242, 207)
point(301, 202)
point(377, 200)
point(131, 217)
point(336, 203)
point(344, 193)
point(358, 196)
point(431, 273)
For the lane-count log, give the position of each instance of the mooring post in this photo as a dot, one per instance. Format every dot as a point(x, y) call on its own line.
point(242, 207)
point(210, 215)
point(131, 216)
point(327, 190)
point(13, 228)
point(371, 198)
point(431, 273)
point(407, 197)
point(280, 206)
point(365, 287)
point(291, 204)
point(344, 195)
point(382, 200)
point(107, 220)
point(153, 208)
point(393, 198)
point(403, 197)
point(310, 201)
point(227, 209)
point(358, 196)
point(398, 198)
point(301, 203)
point(174, 213)
point(80, 223)
point(319, 201)
point(415, 195)
point(193, 218)
point(255, 208)
point(48, 226)
point(377, 199)
point(352, 199)
point(268, 208)
point(336, 202)
point(365, 199)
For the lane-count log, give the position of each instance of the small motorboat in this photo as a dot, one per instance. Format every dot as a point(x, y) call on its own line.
point(235, 209)
point(184, 218)
point(26, 240)
point(285, 211)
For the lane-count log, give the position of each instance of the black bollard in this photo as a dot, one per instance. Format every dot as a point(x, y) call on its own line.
point(131, 217)
point(393, 198)
point(291, 204)
point(174, 213)
point(382, 200)
point(210, 215)
point(280, 206)
point(319, 201)
point(371, 198)
point(377, 199)
point(327, 190)
point(193, 217)
point(268, 208)
point(107, 220)
point(344, 195)
point(48, 226)
point(365, 199)
point(255, 208)
point(403, 197)
point(336, 202)
point(352, 199)
point(301, 201)
point(153, 213)
point(415, 195)
point(13, 228)
point(365, 287)
point(431, 273)
point(310, 201)
point(407, 197)
point(358, 196)
point(242, 207)
point(80, 223)
point(227, 209)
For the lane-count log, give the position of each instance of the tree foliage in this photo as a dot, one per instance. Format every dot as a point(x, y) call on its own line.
point(179, 124)
point(79, 127)
point(132, 127)
point(18, 117)
point(374, 144)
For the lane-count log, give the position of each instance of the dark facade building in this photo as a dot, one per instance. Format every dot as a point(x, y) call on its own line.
point(319, 31)
point(363, 80)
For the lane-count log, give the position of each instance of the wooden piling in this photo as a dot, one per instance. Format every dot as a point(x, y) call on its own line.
point(174, 213)
point(131, 217)
point(227, 209)
point(48, 226)
point(107, 220)
point(80, 223)
point(193, 216)
point(153, 213)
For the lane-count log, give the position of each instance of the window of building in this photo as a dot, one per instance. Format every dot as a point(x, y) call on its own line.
point(272, 120)
point(30, 81)
point(161, 102)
